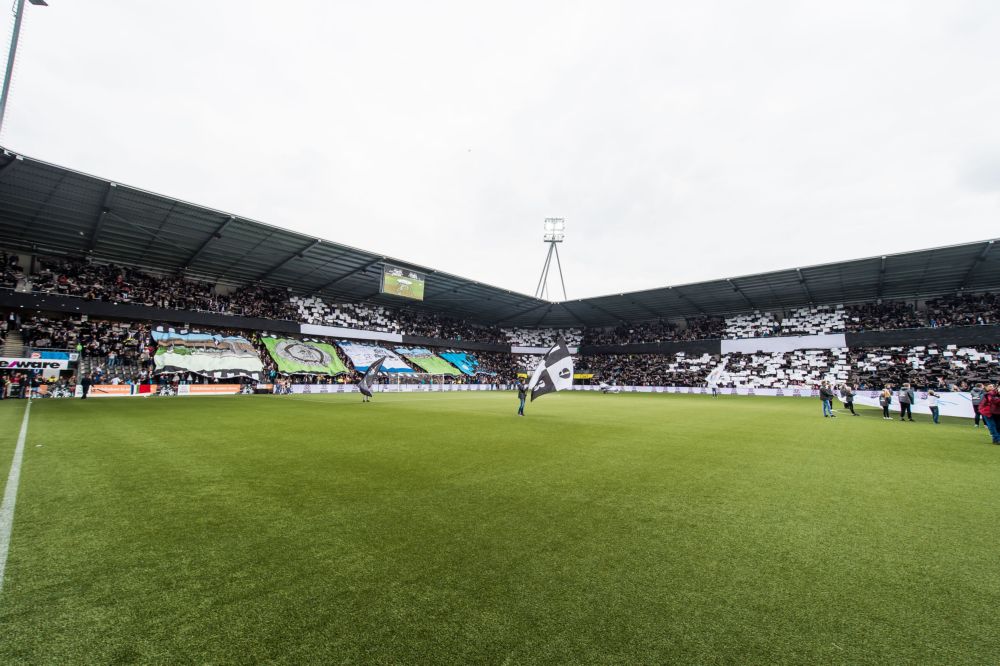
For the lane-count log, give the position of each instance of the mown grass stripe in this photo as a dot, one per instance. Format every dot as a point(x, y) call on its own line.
point(10, 495)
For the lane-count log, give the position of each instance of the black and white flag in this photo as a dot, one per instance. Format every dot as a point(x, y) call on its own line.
point(554, 373)
point(366, 383)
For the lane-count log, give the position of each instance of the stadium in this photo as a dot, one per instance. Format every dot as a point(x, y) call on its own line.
point(231, 441)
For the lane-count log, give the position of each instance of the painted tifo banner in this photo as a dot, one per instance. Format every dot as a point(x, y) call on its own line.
point(302, 357)
point(362, 356)
point(204, 354)
point(428, 361)
point(467, 363)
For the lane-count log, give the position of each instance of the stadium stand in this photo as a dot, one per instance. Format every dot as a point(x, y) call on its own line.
point(692, 328)
point(82, 280)
point(542, 337)
point(892, 315)
point(678, 369)
point(754, 325)
point(964, 310)
point(814, 320)
point(314, 310)
point(118, 284)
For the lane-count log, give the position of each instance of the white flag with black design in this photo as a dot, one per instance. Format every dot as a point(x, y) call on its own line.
point(555, 372)
point(365, 385)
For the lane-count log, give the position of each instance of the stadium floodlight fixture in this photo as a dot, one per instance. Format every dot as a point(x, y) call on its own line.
point(12, 54)
point(555, 229)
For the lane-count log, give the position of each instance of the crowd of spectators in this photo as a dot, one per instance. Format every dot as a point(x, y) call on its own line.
point(965, 310)
point(884, 316)
point(924, 367)
point(648, 369)
point(10, 271)
point(120, 284)
point(314, 310)
point(931, 366)
point(694, 328)
point(113, 343)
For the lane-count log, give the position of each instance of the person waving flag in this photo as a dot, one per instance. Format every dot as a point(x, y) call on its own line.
point(371, 374)
point(554, 373)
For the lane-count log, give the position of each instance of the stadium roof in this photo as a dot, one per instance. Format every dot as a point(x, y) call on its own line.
point(53, 210)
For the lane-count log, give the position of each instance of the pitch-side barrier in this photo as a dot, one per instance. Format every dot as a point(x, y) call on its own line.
point(950, 403)
point(953, 403)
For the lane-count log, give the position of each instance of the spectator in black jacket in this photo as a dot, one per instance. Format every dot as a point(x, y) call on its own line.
point(826, 395)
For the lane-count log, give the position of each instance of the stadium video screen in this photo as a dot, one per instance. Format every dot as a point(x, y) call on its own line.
point(402, 282)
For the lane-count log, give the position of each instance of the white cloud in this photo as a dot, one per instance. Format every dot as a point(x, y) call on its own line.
point(682, 141)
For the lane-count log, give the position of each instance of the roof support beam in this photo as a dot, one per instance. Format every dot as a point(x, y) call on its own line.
point(300, 254)
point(740, 292)
point(805, 287)
point(522, 312)
point(881, 278)
point(215, 234)
point(544, 315)
point(980, 258)
point(347, 274)
point(687, 300)
point(617, 318)
point(645, 307)
point(572, 314)
point(10, 166)
point(95, 230)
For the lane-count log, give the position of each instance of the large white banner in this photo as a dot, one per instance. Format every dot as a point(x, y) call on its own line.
point(785, 343)
point(363, 355)
point(540, 351)
point(355, 333)
point(949, 403)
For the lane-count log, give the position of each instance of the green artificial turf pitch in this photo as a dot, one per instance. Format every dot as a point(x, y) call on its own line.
point(441, 528)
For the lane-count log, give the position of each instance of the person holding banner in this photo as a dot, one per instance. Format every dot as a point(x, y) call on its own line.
point(369, 379)
point(522, 395)
point(554, 373)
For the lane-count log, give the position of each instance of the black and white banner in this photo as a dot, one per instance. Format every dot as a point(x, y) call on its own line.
point(365, 385)
point(554, 373)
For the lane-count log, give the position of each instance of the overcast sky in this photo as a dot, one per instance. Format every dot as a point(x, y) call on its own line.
point(682, 141)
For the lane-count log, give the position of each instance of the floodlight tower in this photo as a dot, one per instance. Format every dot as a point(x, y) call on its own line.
point(555, 232)
point(12, 54)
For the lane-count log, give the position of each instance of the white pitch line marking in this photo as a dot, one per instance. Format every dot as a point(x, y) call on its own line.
point(10, 495)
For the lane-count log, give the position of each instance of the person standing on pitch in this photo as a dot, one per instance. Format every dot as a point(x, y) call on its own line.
point(884, 400)
point(977, 397)
point(826, 395)
point(522, 394)
point(989, 408)
point(847, 395)
point(85, 383)
point(906, 400)
point(932, 401)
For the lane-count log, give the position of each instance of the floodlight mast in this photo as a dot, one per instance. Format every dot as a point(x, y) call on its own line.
point(9, 73)
point(555, 232)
